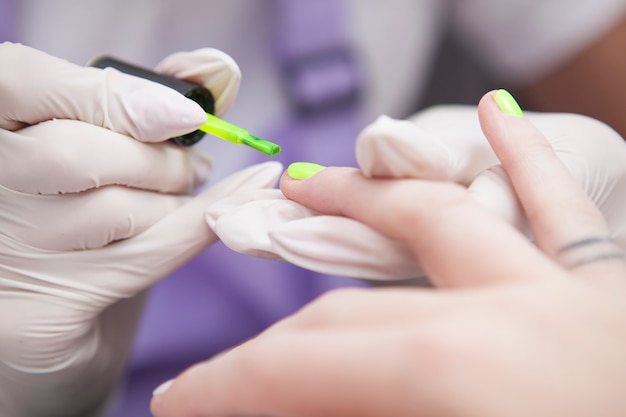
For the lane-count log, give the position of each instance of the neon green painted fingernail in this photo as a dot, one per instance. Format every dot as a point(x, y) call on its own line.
point(303, 170)
point(507, 103)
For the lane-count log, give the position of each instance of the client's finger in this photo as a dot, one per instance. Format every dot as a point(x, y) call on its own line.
point(306, 374)
point(565, 222)
point(454, 238)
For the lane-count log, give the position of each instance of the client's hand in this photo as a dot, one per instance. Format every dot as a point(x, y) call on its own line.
point(517, 329)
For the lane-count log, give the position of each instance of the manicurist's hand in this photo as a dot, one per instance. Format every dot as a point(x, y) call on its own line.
point(95, 208)
point(516, 328)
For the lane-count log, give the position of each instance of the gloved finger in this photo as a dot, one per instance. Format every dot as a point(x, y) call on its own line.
point(67, 156)
point(36, 87)
point(243, 221)
point(79, 221)
point(342, 246)
point(426, 147)
point(400, 149)
point(450, 233)
point(565, 223)
point(265, 224)
point(214, 69)
point(158, 251)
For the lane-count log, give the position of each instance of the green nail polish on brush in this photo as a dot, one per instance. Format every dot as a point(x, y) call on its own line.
point(237, 135)
point(303, 170)
point(507, 103)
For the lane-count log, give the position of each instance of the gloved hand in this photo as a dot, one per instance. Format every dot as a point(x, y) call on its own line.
point(442, 143)
point(95, 207)
point(214, 69)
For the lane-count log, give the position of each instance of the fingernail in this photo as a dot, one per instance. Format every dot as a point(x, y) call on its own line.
point(507, 103)
point(162, 388)
point(303, 170)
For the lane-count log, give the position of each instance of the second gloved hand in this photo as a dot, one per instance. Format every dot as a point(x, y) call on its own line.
point(443, 143)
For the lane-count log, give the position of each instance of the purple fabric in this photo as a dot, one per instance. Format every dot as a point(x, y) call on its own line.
point(8, 9)
point(222, 298)
point(307, 28)
point(312, 51)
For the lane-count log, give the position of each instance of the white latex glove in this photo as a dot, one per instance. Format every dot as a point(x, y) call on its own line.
point(442, 143)
point(90, 218)
point(214, 69)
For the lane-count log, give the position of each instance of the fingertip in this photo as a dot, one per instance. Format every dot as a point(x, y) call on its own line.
point(212, 68)
point(199, 390)
point(158, 113)
point(317, 187)
point(158, 396)
point(296, 174)
point(501, 119)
